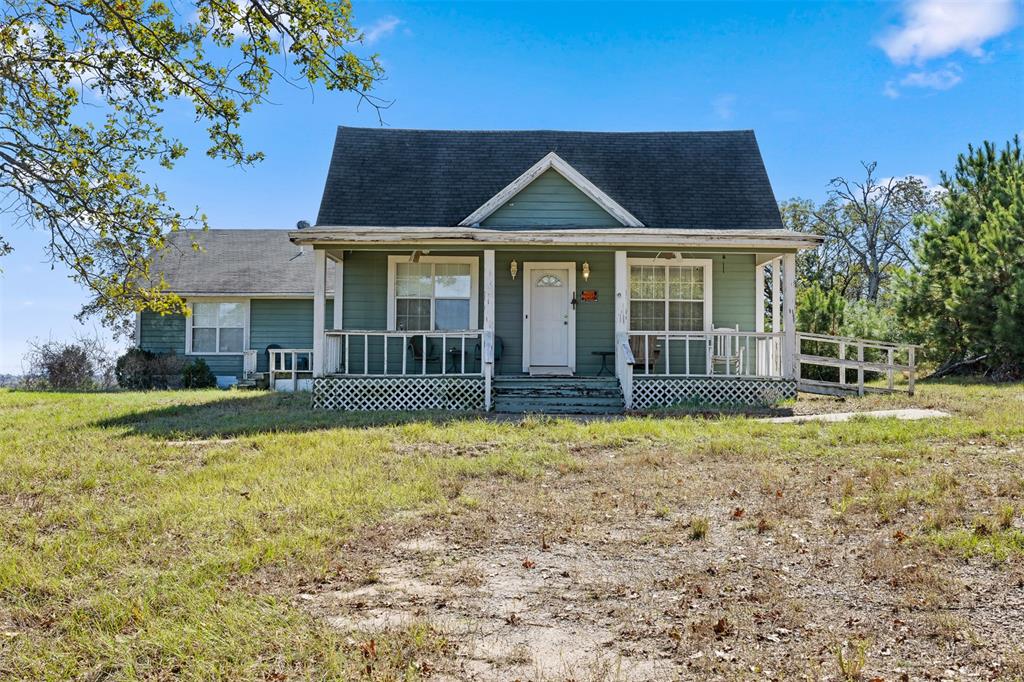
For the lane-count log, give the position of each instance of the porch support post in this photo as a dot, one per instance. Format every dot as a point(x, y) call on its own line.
point(776, 345)
point(623, 371)
point(759, 298)
point(762, 347)
point(487, 348)
point(319, 308)
point(339, 294)
point(789, 349)
point(776, 297)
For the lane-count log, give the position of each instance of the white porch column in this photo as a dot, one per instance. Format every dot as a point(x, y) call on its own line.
point(339, 290)
point(319, 308)
point(487, 347)
point(622, 369)
point(776, 296)
point(789, 349)
point(759, 298)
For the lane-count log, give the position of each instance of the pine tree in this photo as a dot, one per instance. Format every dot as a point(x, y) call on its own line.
point(966, 298)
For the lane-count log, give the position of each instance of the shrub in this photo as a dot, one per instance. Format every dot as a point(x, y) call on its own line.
point(197, 374)
point(135, 368)
point(140, 369)
point(77, 365)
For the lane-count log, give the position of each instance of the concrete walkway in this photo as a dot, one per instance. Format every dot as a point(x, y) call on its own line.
point(909, 414)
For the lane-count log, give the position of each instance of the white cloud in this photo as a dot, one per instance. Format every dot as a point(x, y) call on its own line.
point(383, 27)
point(936, 28)
point(724, 106)
point(938, 79)
point(890, 90)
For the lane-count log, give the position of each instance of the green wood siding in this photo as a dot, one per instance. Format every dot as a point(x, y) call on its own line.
point(595, 322)
point(552, 201)
point(285, 322)
point(166, 334)
point(732, 284)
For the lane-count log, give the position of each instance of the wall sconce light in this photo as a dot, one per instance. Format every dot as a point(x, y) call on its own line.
point(586, 271)
point(513, 268)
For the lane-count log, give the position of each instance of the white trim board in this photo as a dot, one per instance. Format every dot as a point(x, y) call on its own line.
point(771, 241)
point(552, 161)
point(528, 268)
point(474, 284)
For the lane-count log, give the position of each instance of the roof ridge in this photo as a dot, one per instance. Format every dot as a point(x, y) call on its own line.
point(546, 130)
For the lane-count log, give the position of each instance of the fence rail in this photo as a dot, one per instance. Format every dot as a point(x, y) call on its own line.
point(888, 359)
point(406, 353)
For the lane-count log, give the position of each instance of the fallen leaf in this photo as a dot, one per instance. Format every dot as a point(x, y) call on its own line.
point(737, 513)
point(528, 564)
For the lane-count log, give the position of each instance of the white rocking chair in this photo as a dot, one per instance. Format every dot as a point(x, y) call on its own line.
point(726, 351)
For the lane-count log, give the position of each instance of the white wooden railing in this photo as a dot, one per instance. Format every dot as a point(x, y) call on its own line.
point(703, 354)
point(889, 359)
point(395, 353)
point(289, 363)
point(249, 362)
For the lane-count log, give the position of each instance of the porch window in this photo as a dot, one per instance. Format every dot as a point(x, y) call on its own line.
point(433, 294)
point(667, 298)
point(217, 327)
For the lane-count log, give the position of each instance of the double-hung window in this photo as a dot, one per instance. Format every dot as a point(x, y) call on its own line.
point(217, 327)
point(435, 293)
point(670, 296)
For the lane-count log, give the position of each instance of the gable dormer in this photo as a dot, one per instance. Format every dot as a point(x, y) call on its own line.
point(551, 193)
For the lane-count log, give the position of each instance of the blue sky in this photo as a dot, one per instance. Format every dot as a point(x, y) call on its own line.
point(824, 85)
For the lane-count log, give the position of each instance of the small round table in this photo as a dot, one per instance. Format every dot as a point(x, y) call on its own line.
point(605, 354)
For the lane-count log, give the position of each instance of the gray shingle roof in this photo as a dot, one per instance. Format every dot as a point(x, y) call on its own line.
point(238, 262)
point(430, 178)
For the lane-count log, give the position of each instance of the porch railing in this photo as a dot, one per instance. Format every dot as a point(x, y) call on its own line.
point(405, 353)
point(703, 354)
point(292, 364)
point(833, 352)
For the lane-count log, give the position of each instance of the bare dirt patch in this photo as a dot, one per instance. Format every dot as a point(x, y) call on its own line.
point(649, 563)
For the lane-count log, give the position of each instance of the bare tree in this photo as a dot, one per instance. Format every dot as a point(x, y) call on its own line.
point(874, 222)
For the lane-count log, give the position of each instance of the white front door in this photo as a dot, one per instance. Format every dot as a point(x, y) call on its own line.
point(549, 322)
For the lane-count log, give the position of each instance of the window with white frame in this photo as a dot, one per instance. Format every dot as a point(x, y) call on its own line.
point(217, 327)
point(432, 294)
point(665, 297)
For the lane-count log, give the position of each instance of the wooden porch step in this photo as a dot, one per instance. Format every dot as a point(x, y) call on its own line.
point(557, 395)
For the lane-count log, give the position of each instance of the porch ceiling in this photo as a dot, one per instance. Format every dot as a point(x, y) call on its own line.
point(625, 237)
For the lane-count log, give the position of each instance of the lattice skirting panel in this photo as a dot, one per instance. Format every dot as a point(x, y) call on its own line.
point(398, 393)
point(666, 391)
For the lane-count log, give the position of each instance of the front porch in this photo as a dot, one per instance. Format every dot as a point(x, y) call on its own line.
point(688, 325)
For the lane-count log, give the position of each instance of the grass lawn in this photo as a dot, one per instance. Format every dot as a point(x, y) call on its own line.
point(223, 535)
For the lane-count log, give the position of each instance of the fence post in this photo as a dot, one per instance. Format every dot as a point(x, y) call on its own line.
point(910, 361)
point(860, 368)
point(842, 367)
point(888, 361)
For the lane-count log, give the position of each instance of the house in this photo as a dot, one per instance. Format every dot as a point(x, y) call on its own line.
point(519, 270)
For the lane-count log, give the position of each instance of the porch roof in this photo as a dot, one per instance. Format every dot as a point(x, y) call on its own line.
point(763, 240)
